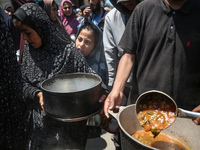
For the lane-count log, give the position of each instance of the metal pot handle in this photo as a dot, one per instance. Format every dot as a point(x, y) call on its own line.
point(113, 127)
point(187, 114)
point(116, 115)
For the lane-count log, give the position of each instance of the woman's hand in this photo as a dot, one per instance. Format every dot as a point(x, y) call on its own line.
point(41, 101)
point(197, 121)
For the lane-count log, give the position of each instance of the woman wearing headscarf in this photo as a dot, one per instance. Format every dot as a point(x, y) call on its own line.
point(11, 103)
point(16, 4)
point(90, 42)
point(51, 7)
point(46, 54)
point(68, 17)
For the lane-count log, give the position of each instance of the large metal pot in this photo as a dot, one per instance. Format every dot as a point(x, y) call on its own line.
point(184, 130)
point(72, 97)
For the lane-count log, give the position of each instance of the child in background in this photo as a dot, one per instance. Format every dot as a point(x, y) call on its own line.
point(89, 42)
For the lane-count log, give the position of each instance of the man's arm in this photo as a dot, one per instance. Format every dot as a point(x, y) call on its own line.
point(115, 97)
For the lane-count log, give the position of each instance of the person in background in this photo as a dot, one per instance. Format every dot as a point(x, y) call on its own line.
point(51, 7)
point(161, 41)
point(79, 15)
point(90, 43)
point(83, 7)
point(114, 26)
point(47, 53)
point(11, 99)
point(78, 12)
point(94, 13)
point(8, 8)
point(68, 17)
point(80, 18)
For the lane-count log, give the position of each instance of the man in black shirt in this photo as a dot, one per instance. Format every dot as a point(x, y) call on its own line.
point(162, 42)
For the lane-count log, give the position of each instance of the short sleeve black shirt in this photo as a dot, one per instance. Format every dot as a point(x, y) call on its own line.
point(166, 44)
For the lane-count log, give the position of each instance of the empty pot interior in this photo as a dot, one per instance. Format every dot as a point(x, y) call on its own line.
point(70, 83)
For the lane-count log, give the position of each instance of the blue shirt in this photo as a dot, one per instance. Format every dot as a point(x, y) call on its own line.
point(95, 20)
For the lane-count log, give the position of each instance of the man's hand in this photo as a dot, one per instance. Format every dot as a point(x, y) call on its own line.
point(86, 12)
point(197, 121)
point(113, 102)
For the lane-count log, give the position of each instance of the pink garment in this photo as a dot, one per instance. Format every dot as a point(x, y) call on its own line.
point(70, 23)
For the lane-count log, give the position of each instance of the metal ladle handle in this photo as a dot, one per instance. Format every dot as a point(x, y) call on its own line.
point(187, 114)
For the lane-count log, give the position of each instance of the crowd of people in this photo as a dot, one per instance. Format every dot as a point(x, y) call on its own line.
point(138, 45)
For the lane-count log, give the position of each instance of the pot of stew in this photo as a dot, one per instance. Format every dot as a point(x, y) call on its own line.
point(156, 111)
point(183, 134)
point(72, 97)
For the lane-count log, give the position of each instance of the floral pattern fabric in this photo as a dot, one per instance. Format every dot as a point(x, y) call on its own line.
point(57, 55)
point(11, 104)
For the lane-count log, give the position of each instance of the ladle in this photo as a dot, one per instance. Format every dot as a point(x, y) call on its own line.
point(157, 96)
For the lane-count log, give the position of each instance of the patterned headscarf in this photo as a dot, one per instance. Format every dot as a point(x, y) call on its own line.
point(17, 3)
point(56, 55)
point(70, 22)
point(11, 127)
